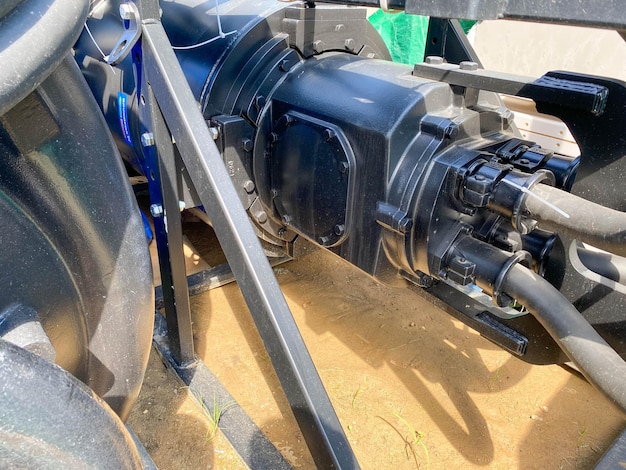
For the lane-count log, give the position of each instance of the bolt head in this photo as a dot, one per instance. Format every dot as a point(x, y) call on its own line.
point(339, 229)
point(329, 134)
point(247, 145)
point(350, 44)
point(319, 46)
point(215, 132)
point(147, 139)
point(468, 65)
point(261, 217)
point(433, 60)
point(126, 11)
point(249, 186)
point(259, 102)
point(156, 210)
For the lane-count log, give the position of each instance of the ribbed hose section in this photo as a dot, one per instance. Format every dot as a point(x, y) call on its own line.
point(597, 361)
point(588, 222)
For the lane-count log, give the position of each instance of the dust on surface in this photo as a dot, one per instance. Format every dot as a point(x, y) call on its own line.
point(412, 387)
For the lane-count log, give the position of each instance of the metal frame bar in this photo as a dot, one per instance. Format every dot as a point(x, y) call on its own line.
point(609, 14)
point(446, 38)
point(293, 365)
point(235, 424)
point(163, 187)
point(212, 278)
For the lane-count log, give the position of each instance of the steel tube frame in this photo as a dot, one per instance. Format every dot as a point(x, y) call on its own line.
point(293, 365)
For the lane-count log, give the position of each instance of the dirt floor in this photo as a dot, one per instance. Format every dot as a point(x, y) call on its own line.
point(412, 387)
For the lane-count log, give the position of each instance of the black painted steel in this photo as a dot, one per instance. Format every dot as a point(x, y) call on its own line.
point(61, 177)
point(212, 278)
point(254, 448)
point(615, 456)
point(446, 38)
point(48, 419)
point(282, 340)
point(606, 14)
point(161, 163)
point(53, 25)
point(574, 93)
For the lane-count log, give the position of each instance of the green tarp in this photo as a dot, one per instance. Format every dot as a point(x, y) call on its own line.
point(405, 35)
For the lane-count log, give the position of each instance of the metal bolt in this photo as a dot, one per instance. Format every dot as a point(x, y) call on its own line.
point(323, 241)
point(284, 66)
point(339, 28)
point(468, 65)
point(281, 232)
point(328, 134)
point(451, 131)
point(344, 167)
point(147, 139)
point(247, 145)
point(339, 229)
point(249, 186)
point(261, 217)
point(259, 102)
point(156, 210)
point(433, 60)
point(350, 44)
point(215, 132)
point(286, 219)
point(524, 161)
point(479, 178)
point(274, 193)
point(506, 115)
point(126, 11)
point(319, 46)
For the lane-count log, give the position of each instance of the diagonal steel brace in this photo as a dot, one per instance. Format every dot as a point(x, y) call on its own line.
point(291, 360)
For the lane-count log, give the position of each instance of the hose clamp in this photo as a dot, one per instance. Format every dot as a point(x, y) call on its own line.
point(499, 297)
point(518, 219)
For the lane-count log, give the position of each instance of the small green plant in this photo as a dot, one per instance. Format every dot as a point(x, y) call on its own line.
point(213, 413)
point(415, 438)
point(412, 441)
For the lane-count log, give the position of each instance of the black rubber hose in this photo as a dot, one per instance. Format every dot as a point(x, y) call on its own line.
point(611, 266)
point(597, 361)
point(35, 35)
point(588, 222)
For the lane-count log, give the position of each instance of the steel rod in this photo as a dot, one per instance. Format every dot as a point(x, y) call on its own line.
point(293, 365)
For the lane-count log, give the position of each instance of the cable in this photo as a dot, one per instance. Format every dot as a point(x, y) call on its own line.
point(597, 361)
point(588, 222)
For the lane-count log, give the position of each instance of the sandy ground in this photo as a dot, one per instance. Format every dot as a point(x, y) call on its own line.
point(412, 387)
